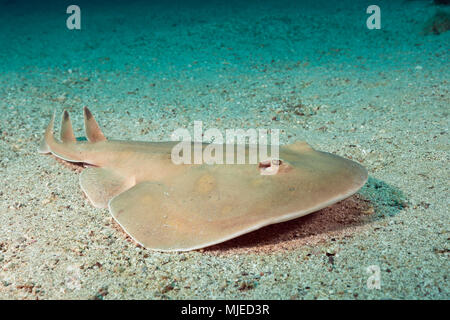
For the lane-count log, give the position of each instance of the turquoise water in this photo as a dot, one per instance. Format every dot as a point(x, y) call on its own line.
point(172, 37)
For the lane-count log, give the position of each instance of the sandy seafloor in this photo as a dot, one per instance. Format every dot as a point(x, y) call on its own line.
point(379, 97)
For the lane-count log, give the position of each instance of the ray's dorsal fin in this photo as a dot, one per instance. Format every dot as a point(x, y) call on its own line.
point(66, 129)
point(93, 132)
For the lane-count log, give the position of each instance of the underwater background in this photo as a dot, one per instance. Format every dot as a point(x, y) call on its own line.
point(312, 69)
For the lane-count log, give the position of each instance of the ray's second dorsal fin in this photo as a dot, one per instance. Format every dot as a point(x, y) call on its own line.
point(66, 128)
point(93, 132)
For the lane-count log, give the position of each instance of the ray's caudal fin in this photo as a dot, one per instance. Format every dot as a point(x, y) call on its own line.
point(48, 135)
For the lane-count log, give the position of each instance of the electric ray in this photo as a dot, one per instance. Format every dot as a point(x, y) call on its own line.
point(169, 207)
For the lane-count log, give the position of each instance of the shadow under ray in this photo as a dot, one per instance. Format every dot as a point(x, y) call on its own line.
point(375, 201)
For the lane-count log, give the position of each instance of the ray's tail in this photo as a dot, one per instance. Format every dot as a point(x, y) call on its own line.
point(66, 147)
point(48, 136)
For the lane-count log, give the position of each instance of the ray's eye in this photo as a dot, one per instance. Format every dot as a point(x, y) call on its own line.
point(269, 167)
point(277, 162)
point(269, 163)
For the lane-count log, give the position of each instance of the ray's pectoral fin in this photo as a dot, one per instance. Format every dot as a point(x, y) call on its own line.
point(202, 207)
point(143, 213)
point(159, 217)
point(102, 184)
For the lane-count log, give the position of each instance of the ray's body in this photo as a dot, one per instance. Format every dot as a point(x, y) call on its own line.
point(170, 207)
